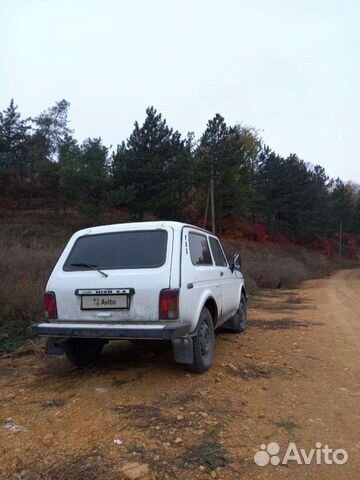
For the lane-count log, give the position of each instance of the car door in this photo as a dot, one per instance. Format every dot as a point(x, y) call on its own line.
point(200, 277)
point(230, 285)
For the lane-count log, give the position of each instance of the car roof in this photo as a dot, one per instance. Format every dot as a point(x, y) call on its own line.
point(128, 226)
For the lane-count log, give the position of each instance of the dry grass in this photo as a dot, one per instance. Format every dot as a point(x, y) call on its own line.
point(281, 324)
point(82, 467)
point(28, 251)
point(208, 452)
point(23, 272)
point(275, 266)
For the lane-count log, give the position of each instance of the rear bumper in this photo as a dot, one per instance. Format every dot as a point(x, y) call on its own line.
point(155, 331)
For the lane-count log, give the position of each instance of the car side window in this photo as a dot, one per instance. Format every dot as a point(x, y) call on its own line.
point(219, 257)
point(199, 249)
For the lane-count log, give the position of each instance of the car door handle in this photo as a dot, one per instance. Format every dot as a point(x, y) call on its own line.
point(221, 274)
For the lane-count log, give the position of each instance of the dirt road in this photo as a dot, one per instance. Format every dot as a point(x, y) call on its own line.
point(292, 377)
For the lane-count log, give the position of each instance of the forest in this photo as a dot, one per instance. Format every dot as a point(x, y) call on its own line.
point(158, 173)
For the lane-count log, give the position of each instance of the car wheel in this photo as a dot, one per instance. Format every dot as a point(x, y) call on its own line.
point(203, 343)
point(83, 351)
point(237, 323)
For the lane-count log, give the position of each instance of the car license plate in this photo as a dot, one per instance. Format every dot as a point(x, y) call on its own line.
point(104, 302)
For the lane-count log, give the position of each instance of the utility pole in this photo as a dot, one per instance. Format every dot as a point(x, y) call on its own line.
point(207, 207)
point(340, 238)
point(212, 199)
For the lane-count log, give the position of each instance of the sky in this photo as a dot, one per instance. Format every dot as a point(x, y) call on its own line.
point(290, 68)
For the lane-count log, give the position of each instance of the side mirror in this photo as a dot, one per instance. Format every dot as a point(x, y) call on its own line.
point(236, 263)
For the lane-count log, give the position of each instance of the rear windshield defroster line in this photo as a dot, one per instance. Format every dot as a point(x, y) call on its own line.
point(119, 250)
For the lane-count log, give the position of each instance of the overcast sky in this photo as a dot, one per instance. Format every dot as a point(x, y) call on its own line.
point(289, 68)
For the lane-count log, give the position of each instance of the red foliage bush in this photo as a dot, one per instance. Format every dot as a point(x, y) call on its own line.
point(279, 238)
point(351, 245)
point(325, 245)
point(232, 228)
point(256, 232)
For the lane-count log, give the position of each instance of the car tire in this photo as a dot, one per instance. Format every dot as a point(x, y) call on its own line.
point(237, 323)
point(83, 351)
point(203, 343)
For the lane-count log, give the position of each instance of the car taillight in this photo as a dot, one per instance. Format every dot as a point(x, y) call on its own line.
point(50, 305)
point(169, 304)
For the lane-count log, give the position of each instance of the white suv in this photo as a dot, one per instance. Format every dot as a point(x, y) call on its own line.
point(138, 281)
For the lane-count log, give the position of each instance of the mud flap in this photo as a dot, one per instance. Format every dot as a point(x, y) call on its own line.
point(183, 350)
point(55, 346)
point(232, 322)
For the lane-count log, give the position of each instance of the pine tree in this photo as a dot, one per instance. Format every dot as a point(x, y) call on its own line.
point(342, 206)
point(49, 131)
point(226, 154)
point(148, 166)
point(69, 173)
point(13, 138)
point(93, 177)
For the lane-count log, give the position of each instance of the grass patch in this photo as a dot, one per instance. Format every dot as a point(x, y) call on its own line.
point(144, 416)
point(294, 299)
point(285, 323)
point(183, 398)
point(55, 403)
point(277, 301)
point(84, 467)
point(10, 343)
point(287, 425)
point(281, 324)
point(119, 382)
point(208, 453)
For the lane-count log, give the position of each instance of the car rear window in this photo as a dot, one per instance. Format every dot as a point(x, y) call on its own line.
point(119, 250)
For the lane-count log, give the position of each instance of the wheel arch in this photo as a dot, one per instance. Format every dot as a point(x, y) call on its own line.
point(209, 301)
point(243, 291)
point(211, 305)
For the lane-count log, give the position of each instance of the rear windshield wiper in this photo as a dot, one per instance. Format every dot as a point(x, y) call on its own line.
point(89, 265)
